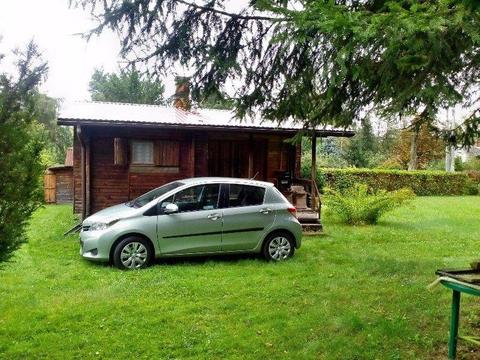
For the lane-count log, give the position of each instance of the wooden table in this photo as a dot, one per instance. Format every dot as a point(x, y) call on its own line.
point(458, 287)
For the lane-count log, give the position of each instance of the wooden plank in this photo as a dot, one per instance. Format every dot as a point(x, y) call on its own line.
point(120, 151)
point(167, 153)
point(49, 180)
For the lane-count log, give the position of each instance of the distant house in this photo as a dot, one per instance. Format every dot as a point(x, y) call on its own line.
point(472, 152)
point(123, 150)
point(58, 181)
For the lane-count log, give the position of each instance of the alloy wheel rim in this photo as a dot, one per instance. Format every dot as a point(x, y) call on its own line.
point(134, 255)
point(279, 248)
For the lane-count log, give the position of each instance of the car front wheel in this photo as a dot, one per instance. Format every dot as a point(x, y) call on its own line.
point(132, 253)
point(278, 247)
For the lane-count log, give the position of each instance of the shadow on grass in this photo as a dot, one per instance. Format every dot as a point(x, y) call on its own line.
point(202, 259)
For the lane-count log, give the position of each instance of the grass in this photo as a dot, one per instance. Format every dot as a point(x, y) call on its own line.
point(353, 293)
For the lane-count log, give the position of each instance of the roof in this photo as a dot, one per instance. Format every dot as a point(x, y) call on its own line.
point(121, 114)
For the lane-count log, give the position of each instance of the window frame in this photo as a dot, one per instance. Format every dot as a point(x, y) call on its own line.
point(227, 196)
point(219, 199)
point(132, 159)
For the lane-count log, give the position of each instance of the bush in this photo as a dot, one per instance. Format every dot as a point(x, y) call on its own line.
point(357, 205)
point(472, 164)
point(422, 182)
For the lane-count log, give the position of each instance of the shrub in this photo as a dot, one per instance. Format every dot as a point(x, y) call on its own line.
point(357, 205)
point(472, 164)
point(422, 182)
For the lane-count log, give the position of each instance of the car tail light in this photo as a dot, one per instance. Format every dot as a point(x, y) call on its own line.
point(292, 210)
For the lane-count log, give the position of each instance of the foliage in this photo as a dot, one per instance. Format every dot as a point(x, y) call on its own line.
point(362, 147)
point(128, 87)
point(329, 153)
point(314, 61)
point(358, 206)
point(213, 100)
point(56, 138)
point(20, 148)
point(62, 308)
point(429, 149)
point(472, 164)
point(458, 163)
point(422, 182)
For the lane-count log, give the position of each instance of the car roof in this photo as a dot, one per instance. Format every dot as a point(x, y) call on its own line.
point(227, 180)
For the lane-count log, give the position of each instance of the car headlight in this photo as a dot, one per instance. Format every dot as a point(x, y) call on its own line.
point(101, 225)
point(98, 226)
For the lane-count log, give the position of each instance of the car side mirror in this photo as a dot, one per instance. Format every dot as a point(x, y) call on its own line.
point(170, 209)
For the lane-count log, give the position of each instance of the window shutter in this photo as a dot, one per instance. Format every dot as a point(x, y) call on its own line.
point(119, 151)
point(167, 153)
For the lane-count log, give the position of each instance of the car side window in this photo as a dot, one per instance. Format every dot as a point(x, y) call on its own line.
point(195, 198)
point(245, 195)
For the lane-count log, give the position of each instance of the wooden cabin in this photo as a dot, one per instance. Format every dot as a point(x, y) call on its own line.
point(58, 181)
point(123, 150)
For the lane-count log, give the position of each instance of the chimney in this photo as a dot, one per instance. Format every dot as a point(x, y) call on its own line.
point(181, 99)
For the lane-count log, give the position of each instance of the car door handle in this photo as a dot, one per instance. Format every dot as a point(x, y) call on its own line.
point(265, 211)
point(213, 216)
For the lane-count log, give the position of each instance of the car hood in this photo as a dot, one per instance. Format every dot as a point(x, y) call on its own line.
point(111, 213)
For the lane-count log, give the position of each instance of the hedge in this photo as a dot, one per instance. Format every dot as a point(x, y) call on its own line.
point(421, 182)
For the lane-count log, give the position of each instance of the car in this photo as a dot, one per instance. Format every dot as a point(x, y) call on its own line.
point(196, 216)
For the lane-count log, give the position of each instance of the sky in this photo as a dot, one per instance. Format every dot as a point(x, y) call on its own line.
point(53, 25)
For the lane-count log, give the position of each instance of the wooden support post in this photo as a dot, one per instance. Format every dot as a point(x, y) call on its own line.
point(88, 158)
point(314, 170)
point(250, 157)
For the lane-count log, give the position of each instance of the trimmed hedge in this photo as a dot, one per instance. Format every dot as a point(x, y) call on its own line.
point(421, 182)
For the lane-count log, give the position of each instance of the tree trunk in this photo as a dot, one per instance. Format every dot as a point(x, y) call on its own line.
point(412, 165)
point(450, 159)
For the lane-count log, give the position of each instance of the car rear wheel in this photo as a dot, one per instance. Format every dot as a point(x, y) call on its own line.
point(132, 253)
point(278, 247)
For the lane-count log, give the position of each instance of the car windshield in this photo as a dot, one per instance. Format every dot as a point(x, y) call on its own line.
point(153, 194)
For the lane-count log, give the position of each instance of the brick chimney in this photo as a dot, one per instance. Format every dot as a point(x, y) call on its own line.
point(181, 99)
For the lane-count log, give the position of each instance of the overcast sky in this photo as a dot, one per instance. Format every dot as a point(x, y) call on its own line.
point(53, 27)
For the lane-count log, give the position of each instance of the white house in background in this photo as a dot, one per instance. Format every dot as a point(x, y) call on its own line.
point(467, 154)
point(448, 119)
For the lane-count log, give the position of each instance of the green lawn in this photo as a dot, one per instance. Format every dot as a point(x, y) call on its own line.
point(353, 293)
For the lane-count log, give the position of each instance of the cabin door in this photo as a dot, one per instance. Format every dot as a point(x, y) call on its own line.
point(237, 158)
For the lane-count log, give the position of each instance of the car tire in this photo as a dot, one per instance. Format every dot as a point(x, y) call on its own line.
point(132, 253)
point(278, 246)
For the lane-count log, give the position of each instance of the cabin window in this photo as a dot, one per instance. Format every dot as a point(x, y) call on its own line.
point(142, 153)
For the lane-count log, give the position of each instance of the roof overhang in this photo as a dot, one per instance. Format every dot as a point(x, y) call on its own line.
point(233, 128)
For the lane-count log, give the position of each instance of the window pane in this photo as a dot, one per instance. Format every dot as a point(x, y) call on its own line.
point(245, 195)
point(202, 197)
point(142, 152)
point(155, 193)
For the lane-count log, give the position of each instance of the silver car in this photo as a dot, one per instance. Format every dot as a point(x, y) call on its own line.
point(198, 216)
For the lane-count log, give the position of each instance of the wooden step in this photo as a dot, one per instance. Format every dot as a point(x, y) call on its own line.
point(307, 216)
point(312, 228)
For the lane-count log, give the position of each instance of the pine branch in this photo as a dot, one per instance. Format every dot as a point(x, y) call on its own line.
point(231, 15)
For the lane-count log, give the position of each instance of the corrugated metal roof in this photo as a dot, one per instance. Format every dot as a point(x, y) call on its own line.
point(70, 113)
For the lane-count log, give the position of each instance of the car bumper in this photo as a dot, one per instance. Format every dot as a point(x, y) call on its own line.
point(95, 245)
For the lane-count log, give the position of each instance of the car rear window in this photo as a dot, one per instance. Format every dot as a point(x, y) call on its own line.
point(245, 195)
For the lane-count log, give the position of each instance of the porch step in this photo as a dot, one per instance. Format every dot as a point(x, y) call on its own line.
point(312, 228)
point(307, 216)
